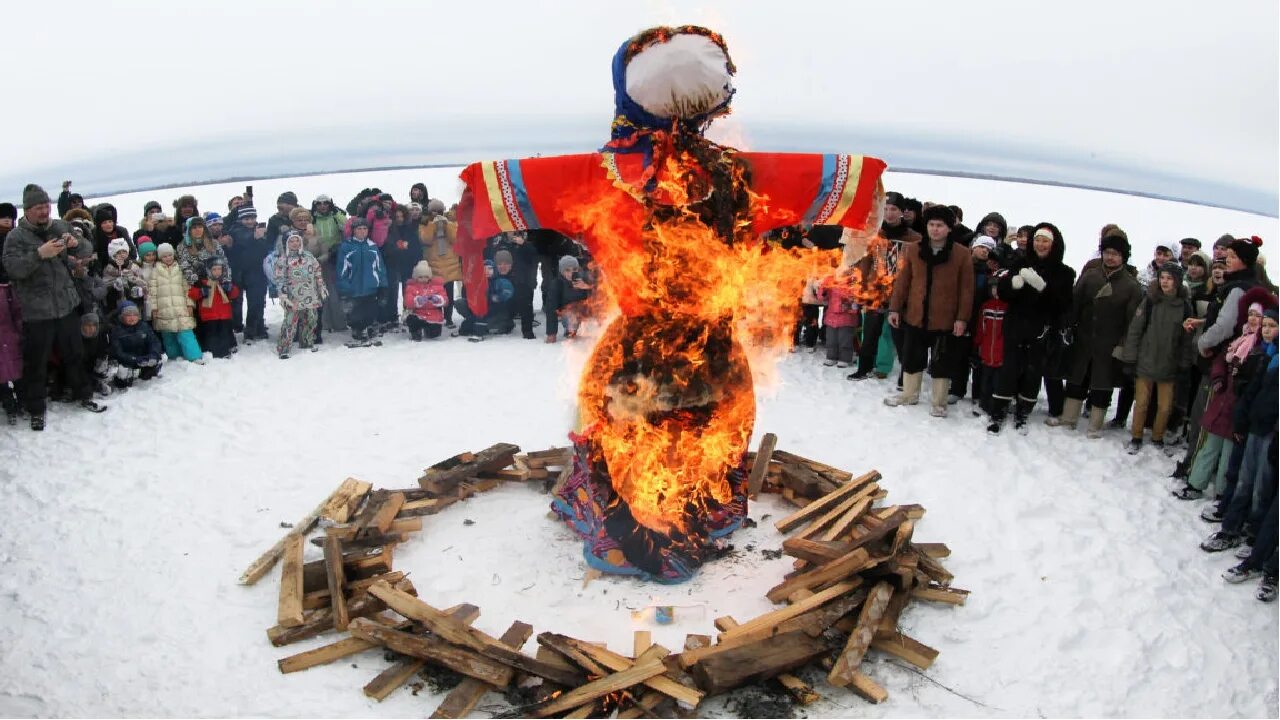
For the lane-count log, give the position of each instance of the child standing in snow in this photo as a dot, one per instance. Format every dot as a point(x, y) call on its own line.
point(424, 302)
point(134, 346)
point(840, 318)
point(172, 311)
point(122, 275)
point(300, 280)
point(361, 275)
point(1156, 350)
point(989, 337)
point(213, 296)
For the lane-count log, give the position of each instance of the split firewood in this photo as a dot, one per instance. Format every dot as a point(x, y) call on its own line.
point(836, 474)
point(825, 503)
point(267, 560)
point(290, 610)
point(427, 506)
point(931, 567)
point(937, 551)
point(400, 672)
point(337, 582)
point(902, 536)
point(320, 598)
point(320, 621)
point(332, 652)
point(443, 477)
point(905, 648)
point(345, 501)
point(379, 523)
point(641, 642)
point(879, 524)
point(799, 689)
point(760, 464)
point(366, 541)
point(771, 620)
point(634, 675)
point(815, 551)
point(357, 565)
point(572, 653)
point(853, 501)
point(434, 649)
point(860, 639)
point(846, 521)
point(867, 688)
point(832, 571)
point(617, 663)
point(938, 593)
point(758, 660)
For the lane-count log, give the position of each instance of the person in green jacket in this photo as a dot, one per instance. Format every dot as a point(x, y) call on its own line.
point(1157, 350)
point(328, 222)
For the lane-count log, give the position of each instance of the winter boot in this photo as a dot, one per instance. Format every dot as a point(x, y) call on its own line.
point(415, 332)
point(1240, 573)
point(1097, 417)
point(861, 374)
point(92, 406)
point(910, 394)
point(1267, 588)
point(1188, 493)
point(939, 399)
point(1071, 413)
point(1221, 540)
point(37, 422)
point(998, 410)
point(1134, 446)
point(1022, 411)
point(1212, 514)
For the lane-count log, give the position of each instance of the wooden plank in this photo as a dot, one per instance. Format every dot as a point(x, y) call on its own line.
point(761, 463)
point(444, 477)
point(268, 559)
point(321, 621)
point(914, 511)
point(641, 642)
point(320, 598)
point(852, 562)
point(462, 699)
point(433, 649)
point(902, 536)
point(886, 520)
point(905, 648)
point(634, 675)
point(572, 652)
point(835, 513)
point(289, 612)
point(332, 652)
point(835, 473)
point(382, 519)
point(932, 567)
point(932, 550)
point(937, 593)
point(337, 582)
point(863, 633)
point(344, 502)
point(357, 565)
point(775, 618)
point(844, 522)
point(693, 642)
point(898, 603)
point(387, 681)
point(815, 551)
point(454, 632)
point(765, 658)
point(867, 688)
point(798, 688)
point(665, 685)
point(824, 503)
point(644, 706)
point(804, 482)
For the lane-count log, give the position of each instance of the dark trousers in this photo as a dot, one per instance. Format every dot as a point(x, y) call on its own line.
point(1098, 397)
point(8, 398)
point(39, 339)
point(421, 328)
point(1263, 556)
point(872, 328)
point(255, 307)
point(1022, 370)
point(361, 312)
point(237, 314)
point(1125, 401)
point(1254, 489)
point(448, 306)
point(806, 331)
point(966, 360)
point(927, 348)
point(217, 337)
point(522, 305)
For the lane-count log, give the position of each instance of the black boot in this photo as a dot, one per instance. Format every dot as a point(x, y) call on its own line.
point(861, 374)
point(999, 408)
point(1021, 412)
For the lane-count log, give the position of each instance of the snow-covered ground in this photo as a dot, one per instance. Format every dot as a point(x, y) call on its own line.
point(125, 533)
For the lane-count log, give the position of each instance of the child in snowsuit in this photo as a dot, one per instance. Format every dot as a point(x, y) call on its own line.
point(840, 318)
point(122, 275)
point(989, 337)
point(136, 349)
point(213, 296)
point(568, 297)
point(424, 302)
point(502, 294)
point(1156, 350)
point(147, 259)
point(98, 364)
point(361, 275)
point(172, 310)
point(300, 280)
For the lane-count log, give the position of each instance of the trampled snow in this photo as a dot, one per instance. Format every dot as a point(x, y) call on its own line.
point(126, 532)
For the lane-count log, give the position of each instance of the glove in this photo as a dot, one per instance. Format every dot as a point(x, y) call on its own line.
point(1032, 278)
point(226, 286)
point(204, 292)
point(1068, 336)
point(420, 301)
point(137, 292)
point(1117, 352)
point(1017, 282)
point(118, 283)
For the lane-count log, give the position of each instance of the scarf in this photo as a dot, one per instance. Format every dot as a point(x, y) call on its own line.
point(215, 291)
point(1240, 348)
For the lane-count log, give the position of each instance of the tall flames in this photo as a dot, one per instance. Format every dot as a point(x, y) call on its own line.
point(667, 396)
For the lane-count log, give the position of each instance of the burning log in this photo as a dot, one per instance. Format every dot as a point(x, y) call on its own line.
point(643, 670)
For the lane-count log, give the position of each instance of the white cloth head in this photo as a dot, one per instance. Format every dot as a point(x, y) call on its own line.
point(683, 77)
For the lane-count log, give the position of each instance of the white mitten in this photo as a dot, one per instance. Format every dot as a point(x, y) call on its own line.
point(1032, 278)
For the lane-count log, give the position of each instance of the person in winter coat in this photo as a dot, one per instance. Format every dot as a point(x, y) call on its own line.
point(328, 222)
point(932, 301)
point(138, 352)
point(1162, 256)
point(172, 313)
point(438, 234)
point(107, 230)
point(67, 200)
point(378, 216)
point(840, 317)
point(123, 276)
point(198, 251)
point(96, 358)
point(1103, 302)
point(569, 295)
point(1223, 320)
point(880, 341)
point(361, 276)
point(278, 223)
point(418, 194)
point(424, 302)
point(10, 347)
point(1157, 350)
point(1038, 288)
point(245, 252)
point(302, 293)
point(807, 324)
point(39, 256)
point(147, 261)
point(966, 350)
point(185, 208)
point(524, 278)
point(1254, 425)
point(990, 342)
point(401, 253)
point(213, 296)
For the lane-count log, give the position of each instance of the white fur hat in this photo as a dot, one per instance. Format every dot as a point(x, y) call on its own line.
point(116, 246)
point(164, 249)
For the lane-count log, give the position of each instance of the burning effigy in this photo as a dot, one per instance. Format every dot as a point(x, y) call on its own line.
point(703, 304)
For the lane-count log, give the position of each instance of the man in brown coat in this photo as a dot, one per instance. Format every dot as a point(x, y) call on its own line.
point(932, 301)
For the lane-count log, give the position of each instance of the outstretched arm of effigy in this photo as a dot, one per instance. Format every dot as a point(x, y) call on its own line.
point(811, 189)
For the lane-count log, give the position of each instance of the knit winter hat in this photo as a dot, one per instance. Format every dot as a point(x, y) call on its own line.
point(568, 262)
point(193, 222)
point(984, 241)
point(287, 197)
point(503, 256)
point(435, 205)
point(1199, 258)
point(941, 212)
point(33, 195)
point(164, 249)
point(212, 218)
point(247, 210)
point(152, 206)
point(1173, 269)
point(422, 271)
point(89, 318)
point(145, 247)
point(322, 198)
point(359, 223)
point(1115, 242)
point(104, 212)
point(1223, 241)
point(8, 210)
point(1246, 250)
point(1271, 313)
point(126, 308)
point(116, 246)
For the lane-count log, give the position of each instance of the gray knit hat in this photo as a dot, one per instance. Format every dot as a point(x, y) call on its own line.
point(569, 262)
point(503, 257)
point(33, 195)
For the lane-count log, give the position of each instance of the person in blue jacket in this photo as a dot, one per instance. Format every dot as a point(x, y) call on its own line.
point(361, 274)
point(135, 347)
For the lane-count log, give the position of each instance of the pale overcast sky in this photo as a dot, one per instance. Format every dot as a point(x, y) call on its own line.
point(1176, 98)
